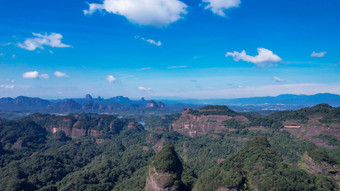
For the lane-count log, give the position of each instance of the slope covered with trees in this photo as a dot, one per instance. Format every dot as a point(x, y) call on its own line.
point(34, 157)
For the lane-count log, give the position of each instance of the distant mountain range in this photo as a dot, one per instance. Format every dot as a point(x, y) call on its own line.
point(281, 102)
point(124, 105)
point(117, 104)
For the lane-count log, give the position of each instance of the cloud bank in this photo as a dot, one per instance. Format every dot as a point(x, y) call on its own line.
point(265, 57)
point(219, 7)
point(41, 40)
point(158, 13)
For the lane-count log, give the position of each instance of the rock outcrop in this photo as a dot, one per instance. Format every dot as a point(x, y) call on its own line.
point(135, 126)
point(207, 119)
point(76, 126)
point(88, 96)
point(165, 171)
point(154, 104)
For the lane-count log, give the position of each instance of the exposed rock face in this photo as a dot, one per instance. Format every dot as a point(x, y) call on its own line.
point(135, 126)
point(151, 104)
point(76, 125)
point(154, 104)
point(159, 181)
point(165, 171)
point(75, 132)
point(312, 166)
point(193, 125)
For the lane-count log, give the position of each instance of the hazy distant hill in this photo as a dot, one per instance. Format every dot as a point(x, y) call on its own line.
point(281, 102)
point(119, 104)
point(124, 105)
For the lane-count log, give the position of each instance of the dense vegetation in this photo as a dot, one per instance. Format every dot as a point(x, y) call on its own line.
point(33, 158)
point(257, 166)
point(213, 110)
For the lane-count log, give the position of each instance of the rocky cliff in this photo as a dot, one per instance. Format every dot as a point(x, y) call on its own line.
point(154, 104)
point(75, 125)
point(207, 119)
point(165, 171)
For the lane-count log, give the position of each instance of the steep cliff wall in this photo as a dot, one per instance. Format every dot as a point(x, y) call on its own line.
point(198, 122)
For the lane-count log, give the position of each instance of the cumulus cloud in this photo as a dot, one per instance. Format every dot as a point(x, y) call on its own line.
point(265, 57)
point(44, 76)
point(318, 54)
point(277, 79)
point(110, 79)
point(219, 6)
point(141, 88)
point(33, 74)
point(143, 12)
point(41, 40)
point(60, 74)
point(150, 41)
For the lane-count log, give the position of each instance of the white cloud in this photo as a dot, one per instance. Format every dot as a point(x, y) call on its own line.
point(278, 79)
point(176, 67)
point(265, 57)
point(60, 74)
point(148, 68)
point(219, 6)
point(6, 86)
point(144, 89)
point(150, 41)
point(33, 74)
point(318, 54)
point(44, 76)
point(41, 40)
point(110, 79)
point(143, 12)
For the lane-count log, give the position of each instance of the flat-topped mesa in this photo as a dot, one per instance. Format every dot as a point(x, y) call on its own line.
point(209, 118)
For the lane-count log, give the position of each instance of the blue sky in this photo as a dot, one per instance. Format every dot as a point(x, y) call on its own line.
point(169, 48)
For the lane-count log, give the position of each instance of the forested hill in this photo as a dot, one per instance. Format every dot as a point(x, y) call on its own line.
point(257, 166)
point(109, 152)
